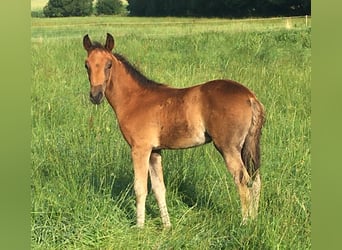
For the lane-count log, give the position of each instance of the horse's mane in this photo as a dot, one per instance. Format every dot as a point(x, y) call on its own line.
point(136, 74)
point(132, 70)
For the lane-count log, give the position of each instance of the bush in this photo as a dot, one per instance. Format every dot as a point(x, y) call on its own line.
point(64, 8)
point(109, 7)
point(37, 13)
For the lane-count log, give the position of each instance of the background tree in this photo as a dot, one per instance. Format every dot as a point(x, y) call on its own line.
point(109, 7)
point(64, 8)
point(219, 8)
point(137, 7)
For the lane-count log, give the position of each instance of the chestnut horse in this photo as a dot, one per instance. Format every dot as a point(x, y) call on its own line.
point(154, 116)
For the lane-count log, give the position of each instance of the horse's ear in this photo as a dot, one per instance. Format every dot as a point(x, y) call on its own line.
point(109, 42)
point(87, 43)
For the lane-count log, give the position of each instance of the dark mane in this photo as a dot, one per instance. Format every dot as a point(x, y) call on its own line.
point(136, 74)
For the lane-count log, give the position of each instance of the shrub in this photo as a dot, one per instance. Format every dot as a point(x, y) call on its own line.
point(64, 8)
point(109, 7)
point(37, 13)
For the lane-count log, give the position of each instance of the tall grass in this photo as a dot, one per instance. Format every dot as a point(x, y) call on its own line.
point(82, 195)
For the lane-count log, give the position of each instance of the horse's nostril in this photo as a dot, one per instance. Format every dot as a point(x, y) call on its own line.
point(97, 98)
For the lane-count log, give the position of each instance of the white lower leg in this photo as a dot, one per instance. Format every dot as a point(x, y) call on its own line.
point(141, 210)
point(165, 216)
point(255, 193)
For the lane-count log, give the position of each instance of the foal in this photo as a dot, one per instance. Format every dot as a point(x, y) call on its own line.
point(153, 116)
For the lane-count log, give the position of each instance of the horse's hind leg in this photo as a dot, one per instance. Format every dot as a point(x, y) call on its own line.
point(242, 180)
point(158, 186)
point(255, 193)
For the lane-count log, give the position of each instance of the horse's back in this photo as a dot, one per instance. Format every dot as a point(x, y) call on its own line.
point(226, 89)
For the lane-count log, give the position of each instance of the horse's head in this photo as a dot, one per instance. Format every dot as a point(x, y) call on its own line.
point(99, 66)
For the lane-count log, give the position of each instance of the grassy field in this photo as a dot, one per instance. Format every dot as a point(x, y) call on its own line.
point(82, 175)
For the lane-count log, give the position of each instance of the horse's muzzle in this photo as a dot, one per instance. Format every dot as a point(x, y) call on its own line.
point(96, 98)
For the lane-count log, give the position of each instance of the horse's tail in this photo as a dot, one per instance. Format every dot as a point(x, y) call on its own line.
point(251, 147)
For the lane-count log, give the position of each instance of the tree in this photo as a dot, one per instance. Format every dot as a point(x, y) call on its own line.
point(64, 8)
point(219, 8)
point(109, 7)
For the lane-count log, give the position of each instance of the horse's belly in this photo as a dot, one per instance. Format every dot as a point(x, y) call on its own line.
point(182, 136)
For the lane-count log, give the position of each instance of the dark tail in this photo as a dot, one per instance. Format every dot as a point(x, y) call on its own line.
point(251, 147)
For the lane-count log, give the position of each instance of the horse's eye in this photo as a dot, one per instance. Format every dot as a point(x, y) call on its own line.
point(86, 65)
point(109, 65)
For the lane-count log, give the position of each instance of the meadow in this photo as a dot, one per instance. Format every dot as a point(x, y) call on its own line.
point(82, 176)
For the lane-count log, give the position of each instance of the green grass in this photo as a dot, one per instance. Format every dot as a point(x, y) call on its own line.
point(82, 175)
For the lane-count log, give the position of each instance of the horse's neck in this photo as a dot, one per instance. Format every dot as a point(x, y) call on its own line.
point(124, 89)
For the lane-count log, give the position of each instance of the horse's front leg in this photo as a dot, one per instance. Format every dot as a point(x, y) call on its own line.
point(140, 159)
point(158, 186)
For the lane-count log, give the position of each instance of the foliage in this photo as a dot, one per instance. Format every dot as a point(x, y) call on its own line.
point(37, 13)
point(109, 7)
point(82, 175)
point(219, 8)
point(65, 8)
